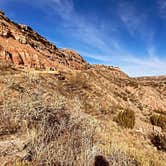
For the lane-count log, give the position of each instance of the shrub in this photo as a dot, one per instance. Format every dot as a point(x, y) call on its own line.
point(159, 141)
point(126, 119)
point(8, 123)
point(62, 138)
point(158, 120)
point(78, 80)
point(8, 127)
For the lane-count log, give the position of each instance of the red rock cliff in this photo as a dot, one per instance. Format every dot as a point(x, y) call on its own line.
point(23, 47)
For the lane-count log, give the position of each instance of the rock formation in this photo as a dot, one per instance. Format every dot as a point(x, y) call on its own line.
point(23, 47)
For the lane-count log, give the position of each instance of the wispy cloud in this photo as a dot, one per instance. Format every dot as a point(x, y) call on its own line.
point(133, 65)
point(65, 8)
point(145, 66)
point(135, 21)
point(77, 25)
point(137, 25)
point(162, 8)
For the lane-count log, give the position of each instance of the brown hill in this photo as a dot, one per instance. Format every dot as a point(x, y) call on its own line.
point(66, 116)
point(157, 82)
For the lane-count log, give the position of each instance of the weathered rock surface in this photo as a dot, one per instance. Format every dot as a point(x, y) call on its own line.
point(23, 47)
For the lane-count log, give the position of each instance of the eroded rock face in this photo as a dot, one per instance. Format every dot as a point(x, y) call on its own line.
point(22, 46)
point(73, 58)
point(5, 31)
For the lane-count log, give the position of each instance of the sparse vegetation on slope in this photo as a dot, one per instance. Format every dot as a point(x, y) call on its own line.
point(46, 118)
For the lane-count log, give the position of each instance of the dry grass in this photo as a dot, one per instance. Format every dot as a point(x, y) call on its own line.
point(120, 158)
point(64, 138)
point(59, 130)
point(61, 134)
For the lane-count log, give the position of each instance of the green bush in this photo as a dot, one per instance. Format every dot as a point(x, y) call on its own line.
point(158, 120)
point(126, 119)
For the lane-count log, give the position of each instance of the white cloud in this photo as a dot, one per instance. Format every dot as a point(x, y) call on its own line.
point(65, 8)
point(145, 67)
point(133, 65)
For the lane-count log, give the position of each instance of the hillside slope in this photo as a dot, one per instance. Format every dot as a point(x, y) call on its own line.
point(56, 109)
point(158, 82)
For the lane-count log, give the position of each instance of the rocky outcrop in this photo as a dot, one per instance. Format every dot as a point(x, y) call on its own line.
point(23, 47)
point(73, 58)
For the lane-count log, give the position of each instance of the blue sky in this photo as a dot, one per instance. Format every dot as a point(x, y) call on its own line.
point(130, 34)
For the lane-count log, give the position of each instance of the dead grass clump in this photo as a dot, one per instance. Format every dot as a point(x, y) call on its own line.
point(8, 127)
point(62, 137)
point(159, 141)
point(158, 120)
point(119, 158)
point(58, 135)
point(9, 124)
point(79, 80)
point(126, 118)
